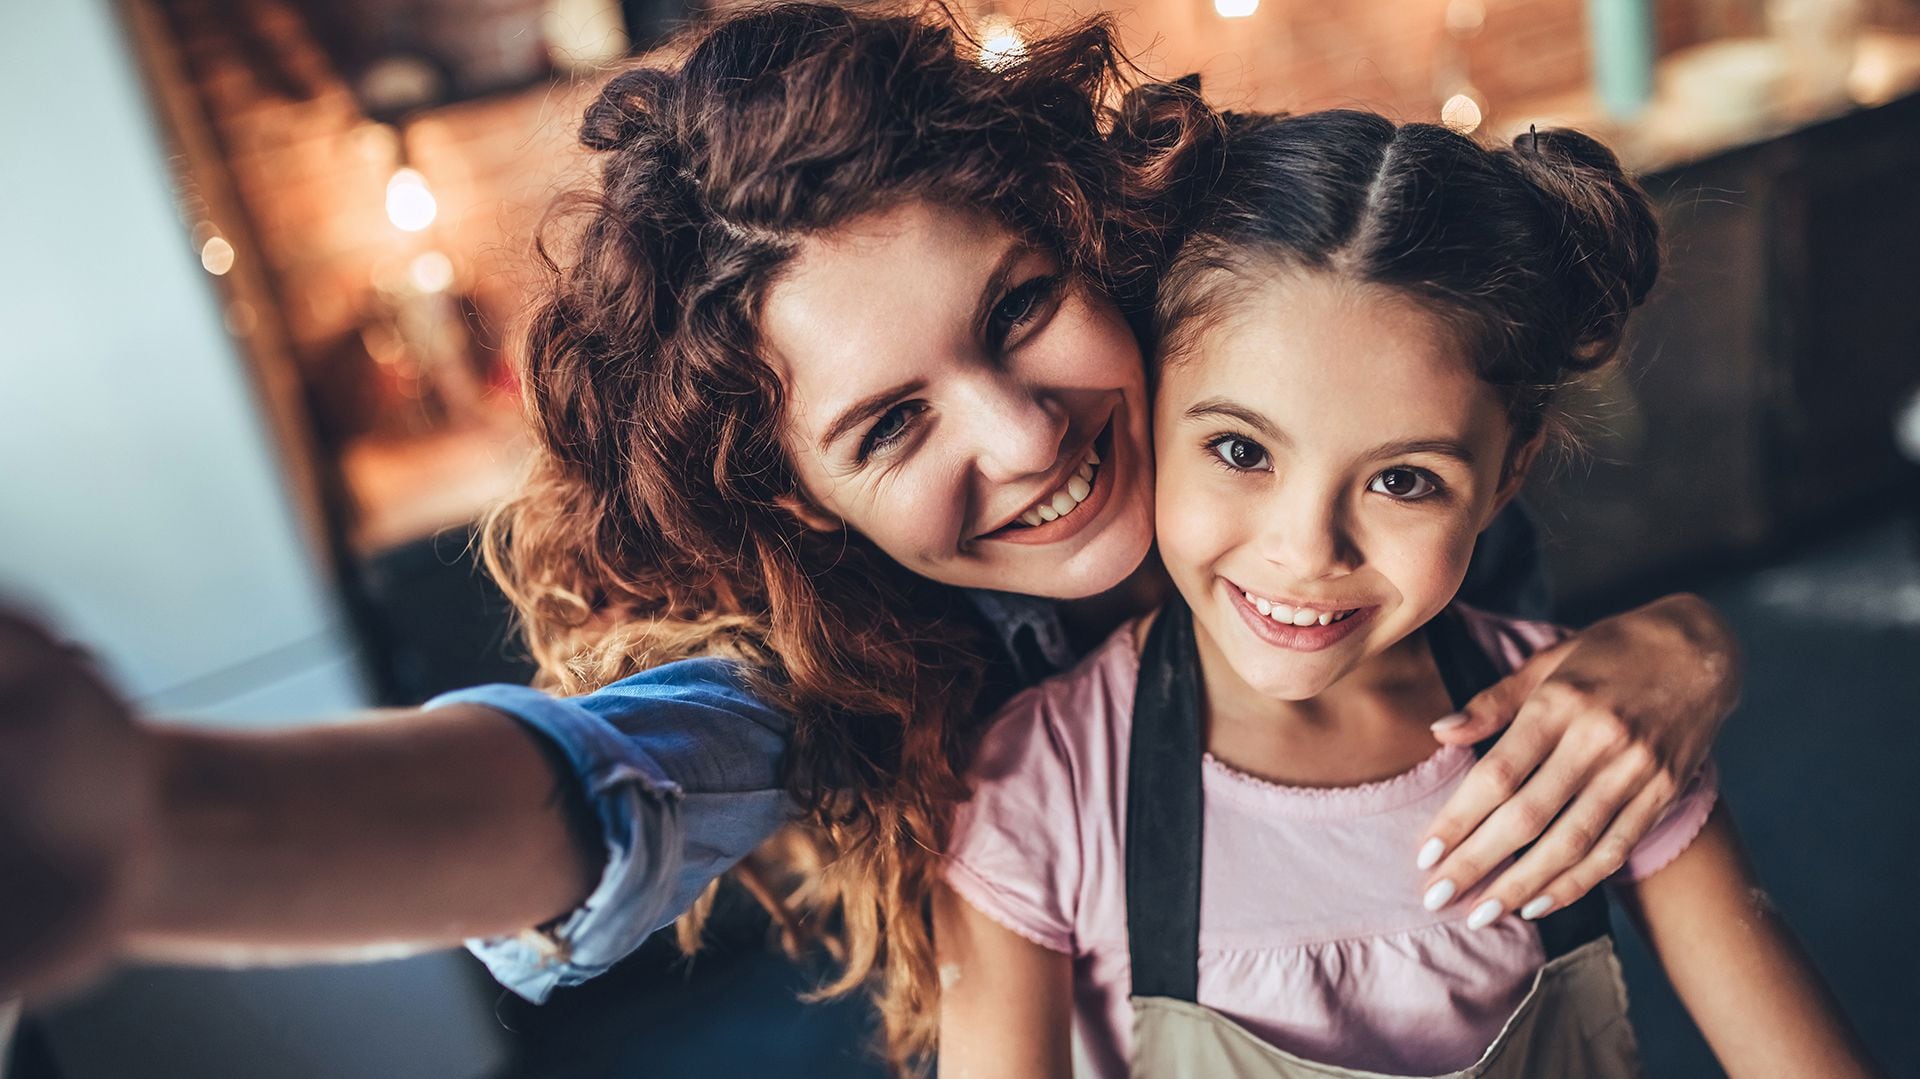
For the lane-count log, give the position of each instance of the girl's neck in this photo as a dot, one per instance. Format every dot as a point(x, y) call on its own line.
point(1372, 724)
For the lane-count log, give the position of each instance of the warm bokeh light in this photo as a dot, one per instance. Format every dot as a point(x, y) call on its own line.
point(1236, 9)
point(410, 204)
point(1000, 43)
point(430, 271)
point(1466, 17)
point(216, 255)
point(1461, 113)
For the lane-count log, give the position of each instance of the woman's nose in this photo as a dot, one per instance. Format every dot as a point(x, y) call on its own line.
point(1018, 428)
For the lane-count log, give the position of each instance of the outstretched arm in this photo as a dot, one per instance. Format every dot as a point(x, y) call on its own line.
point(414, 830)
point(1605, 728)
point(1006, 1003)
point(1744, 979)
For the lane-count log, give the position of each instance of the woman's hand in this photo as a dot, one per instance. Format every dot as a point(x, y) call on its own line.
point(75, 792)
point(1605, 730)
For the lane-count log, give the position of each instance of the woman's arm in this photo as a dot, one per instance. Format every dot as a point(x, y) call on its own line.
point(406, 829)
point(1605, 729)
point(1736, 966)
point(1006, 1003)
point(414, 829)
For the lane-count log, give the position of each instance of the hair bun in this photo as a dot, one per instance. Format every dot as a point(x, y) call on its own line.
point(1609, 246)
point(628, 108)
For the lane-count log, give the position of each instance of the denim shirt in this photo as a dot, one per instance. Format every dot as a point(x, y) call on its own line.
point(685, 770)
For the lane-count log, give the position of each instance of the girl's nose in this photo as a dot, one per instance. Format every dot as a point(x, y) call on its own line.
point(1307, 535)
point(1017, 428)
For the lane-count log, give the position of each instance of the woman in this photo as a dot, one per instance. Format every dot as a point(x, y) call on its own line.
point(842, 337)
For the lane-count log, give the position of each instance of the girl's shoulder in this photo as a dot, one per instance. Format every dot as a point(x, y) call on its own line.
point(1507, 640)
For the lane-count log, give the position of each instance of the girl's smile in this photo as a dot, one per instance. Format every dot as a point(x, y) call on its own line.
point(1327, 455)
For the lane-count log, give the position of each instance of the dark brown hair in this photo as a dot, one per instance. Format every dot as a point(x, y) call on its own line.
point(1534, 253)
point(657, 522)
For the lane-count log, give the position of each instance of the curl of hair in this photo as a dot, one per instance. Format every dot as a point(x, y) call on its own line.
point(657, 523)
point(1534, 254)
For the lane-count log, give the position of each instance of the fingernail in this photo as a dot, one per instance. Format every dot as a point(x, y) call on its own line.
point(1484, 914)
point(1447, 723)
point(1438, 895)
point(1430, 853)
point(1536, 908)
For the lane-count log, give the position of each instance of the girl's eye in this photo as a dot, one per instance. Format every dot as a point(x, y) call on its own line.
point(890, 428)
point(1406, 484)
point(1239, 454)
point(1019, 306)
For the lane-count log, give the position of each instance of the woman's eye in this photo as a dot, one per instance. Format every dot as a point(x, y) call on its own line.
point(1238, 453)
point(1019, 306)
point(1403, 483)
point(889, 428)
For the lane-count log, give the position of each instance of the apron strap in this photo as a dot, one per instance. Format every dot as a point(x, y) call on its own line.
point(1466, 669)
point(1164, 813)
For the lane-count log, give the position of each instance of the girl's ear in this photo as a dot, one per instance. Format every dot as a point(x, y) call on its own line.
point(808, 514)
point(1513, 474)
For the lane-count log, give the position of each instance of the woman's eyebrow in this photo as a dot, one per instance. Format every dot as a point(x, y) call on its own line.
point(852, 416)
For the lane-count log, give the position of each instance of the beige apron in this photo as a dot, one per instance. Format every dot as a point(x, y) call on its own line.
point(1572, 1023)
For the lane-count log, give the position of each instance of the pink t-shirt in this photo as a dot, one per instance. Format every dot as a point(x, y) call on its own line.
point(1311, 930)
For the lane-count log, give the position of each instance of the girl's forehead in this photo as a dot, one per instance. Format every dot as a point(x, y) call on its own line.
point(1306, 346)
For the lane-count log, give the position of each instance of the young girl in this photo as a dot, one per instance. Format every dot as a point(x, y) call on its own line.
point(840, 323)
point(1194, 849)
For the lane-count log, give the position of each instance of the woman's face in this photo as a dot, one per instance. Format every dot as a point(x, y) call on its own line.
point(955, 398)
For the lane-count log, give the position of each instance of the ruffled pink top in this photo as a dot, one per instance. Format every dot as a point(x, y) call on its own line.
point(1311, 930)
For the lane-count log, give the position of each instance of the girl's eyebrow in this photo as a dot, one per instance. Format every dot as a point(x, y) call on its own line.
point(1220, 406)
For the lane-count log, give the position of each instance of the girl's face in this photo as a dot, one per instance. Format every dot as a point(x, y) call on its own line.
point(956, 399)
point(1327, 456)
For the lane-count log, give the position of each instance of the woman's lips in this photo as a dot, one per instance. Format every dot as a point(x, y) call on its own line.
point(1311, 638)
point(1104, 477)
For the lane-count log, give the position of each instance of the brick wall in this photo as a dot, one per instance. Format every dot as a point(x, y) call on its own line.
point(312, 171)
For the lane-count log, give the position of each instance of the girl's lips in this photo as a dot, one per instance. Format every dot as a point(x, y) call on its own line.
point(1294, 638)
point(1060, 528)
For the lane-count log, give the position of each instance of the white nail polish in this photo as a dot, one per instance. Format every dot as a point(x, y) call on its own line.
point(1430, 853)
point(1484, 914)
point(1447, 723)
point(1438, 895)
point(1536, 908)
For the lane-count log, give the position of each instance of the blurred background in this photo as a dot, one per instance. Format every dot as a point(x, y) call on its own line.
point(266, 255)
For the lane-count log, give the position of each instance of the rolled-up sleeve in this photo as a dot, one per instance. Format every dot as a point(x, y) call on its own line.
point(683, 770)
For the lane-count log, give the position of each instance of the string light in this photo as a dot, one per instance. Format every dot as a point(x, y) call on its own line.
point(410, 204)
point(1236, 9)
point(1000, 43)
point(430, 271)
point(216, 255)
point(1461, 113)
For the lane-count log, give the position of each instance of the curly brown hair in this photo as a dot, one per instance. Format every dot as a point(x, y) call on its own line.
point(658, 521)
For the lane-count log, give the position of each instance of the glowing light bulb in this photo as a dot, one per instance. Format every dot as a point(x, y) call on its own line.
point(216, 255)
point(1461, 113)
point(1235, 9)
point(410, 205)
point(1000, 43)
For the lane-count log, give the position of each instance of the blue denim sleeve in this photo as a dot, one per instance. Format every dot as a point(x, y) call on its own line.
point(684, 771)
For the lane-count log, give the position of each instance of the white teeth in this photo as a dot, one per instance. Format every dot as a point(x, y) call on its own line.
point(1293, 616)
point(1048, 513)
point(1325, 619)
point(1079, 489)
point(1093, 456)
point(1066, 499)
point(1281, 613)
point(1304, 617)
point(1262, 605)
point(1032, 518)
point(1085, 472)
point(1063, 503)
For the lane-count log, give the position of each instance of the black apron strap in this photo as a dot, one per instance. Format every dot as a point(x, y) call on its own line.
point(1466, 669)
point(1164, 813)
